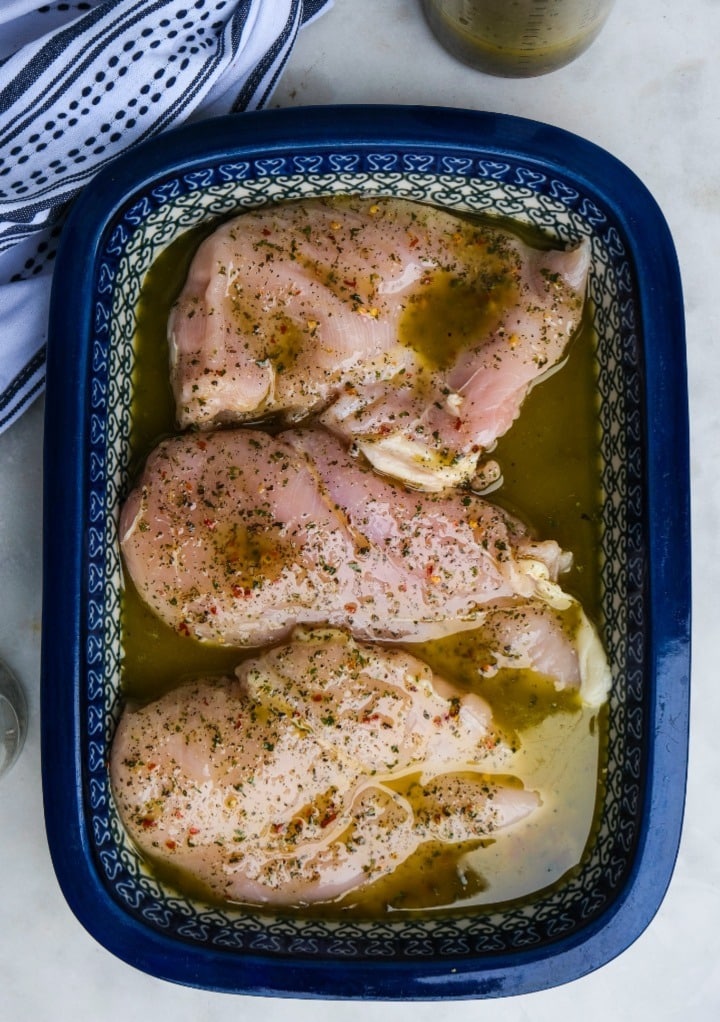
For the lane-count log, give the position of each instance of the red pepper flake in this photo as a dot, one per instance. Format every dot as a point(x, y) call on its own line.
point(148, 822)
point(240, 591)
point(172, 845)
point(202, 444)
point(351, 607)
point(266, 232)
point(350, 283)
point(210, 523)
point(193, 830)
point(184, 628)
point(328, 819)
point(432, 575)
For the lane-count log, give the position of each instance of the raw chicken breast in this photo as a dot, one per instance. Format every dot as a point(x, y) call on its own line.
point(554, 639)
point(417, 333)
point(534, 638)
point(320, 768)
point(235, 536)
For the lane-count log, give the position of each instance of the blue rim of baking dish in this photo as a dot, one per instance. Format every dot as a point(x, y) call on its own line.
point(498, 140)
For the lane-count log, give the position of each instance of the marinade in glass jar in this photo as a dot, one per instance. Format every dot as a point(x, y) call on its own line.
point(516, 38)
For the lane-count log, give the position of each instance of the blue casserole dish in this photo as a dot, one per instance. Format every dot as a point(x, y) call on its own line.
point(472, 161)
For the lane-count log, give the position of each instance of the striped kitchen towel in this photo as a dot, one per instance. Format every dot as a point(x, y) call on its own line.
point(80, 83)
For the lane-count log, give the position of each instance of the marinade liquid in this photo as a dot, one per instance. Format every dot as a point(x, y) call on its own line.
point(551, 478)
point(516, 38)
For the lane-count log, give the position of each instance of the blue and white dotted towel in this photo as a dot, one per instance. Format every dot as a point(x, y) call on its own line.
point(80, 83)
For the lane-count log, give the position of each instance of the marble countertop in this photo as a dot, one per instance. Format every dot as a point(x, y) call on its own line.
point(647, 91)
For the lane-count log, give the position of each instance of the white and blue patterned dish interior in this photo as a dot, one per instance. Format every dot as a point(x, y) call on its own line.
point(154, 215)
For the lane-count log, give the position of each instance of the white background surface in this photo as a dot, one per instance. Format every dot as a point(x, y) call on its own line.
point(649, 92)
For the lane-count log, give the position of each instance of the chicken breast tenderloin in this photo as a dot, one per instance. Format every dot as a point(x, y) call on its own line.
point(417, 333)
point(235, 537)
point(320, 768)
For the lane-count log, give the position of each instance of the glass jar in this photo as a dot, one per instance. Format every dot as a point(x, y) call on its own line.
point(13, 718)
point(516, 38)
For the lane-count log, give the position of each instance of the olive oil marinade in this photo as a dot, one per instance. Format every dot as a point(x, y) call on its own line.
point(551, 479)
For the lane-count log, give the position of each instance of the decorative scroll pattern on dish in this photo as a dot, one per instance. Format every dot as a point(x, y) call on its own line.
point(139, 233)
